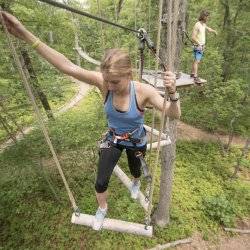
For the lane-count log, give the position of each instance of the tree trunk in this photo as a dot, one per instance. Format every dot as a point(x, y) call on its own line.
point(7, 128)
point(231, 133)
point(100, 13)
point(230, 37)
point(170, 48)
point(76, 23)
point(35, 84)
point(119, 8)
point(181, 25)
point(162, 214)
point(244, 153)
point(10, 117)
point(51, 37)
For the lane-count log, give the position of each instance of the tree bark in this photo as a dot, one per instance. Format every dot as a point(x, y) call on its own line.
point(169, 44)
point(231, 133)
point(7, 128)
point(119, 8)
point(100, 13)
point(244, 153)
point(162, 214)
point(10, 117)
point(181, 25)
point(230, 36)
point(51, 37)
point(41, 95)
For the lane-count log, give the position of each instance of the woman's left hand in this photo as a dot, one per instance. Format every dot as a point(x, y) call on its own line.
point(169, 81)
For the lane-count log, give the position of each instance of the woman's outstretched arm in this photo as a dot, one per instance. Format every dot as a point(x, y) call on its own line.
point(58, 60)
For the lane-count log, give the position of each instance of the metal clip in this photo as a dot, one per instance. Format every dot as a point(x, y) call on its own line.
point(77, 212)
point(144, 166)
point(147, 223)
point(105, 144)
point(144, 37)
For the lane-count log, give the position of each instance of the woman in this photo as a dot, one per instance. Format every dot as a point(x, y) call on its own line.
point(124, 102)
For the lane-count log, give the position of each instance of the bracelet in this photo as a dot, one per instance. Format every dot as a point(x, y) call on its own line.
point(36, 44)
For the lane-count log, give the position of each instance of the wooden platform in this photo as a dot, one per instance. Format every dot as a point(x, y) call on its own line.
point(150, 76)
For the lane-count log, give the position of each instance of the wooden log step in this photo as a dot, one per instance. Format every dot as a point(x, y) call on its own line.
point(114, 225)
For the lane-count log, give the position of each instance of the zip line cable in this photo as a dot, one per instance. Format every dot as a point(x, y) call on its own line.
point(141, 33)
point(82, 13)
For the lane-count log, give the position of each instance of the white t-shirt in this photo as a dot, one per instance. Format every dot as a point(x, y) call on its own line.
point(200, 32)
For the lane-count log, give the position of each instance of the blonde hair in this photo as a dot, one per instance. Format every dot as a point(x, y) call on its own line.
point(116, 62)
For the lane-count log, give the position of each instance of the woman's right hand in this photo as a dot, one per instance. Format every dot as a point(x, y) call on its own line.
point(14, 26)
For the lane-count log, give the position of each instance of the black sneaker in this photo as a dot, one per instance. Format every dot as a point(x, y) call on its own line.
point(192, 75)
point(197, 80)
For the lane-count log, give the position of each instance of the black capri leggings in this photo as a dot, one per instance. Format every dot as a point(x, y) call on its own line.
point(109, 157)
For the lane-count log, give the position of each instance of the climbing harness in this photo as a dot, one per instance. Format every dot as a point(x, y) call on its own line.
point(198, 48)
point(106, 142)
point(128, 136)
point(194, 46)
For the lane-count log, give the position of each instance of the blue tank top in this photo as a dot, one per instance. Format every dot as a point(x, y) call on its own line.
point(124, 122)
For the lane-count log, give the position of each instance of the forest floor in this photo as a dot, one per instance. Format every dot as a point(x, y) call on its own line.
point(240, 242)
point(186, 132)
point(222, 242)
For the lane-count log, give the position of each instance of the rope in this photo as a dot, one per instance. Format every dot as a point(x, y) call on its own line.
point(174, 34)
point(37, 112)
point(188, 37)
point(149, 28)
point(82, 13)
point(156, 66)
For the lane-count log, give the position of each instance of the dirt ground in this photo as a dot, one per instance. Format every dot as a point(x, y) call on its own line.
point(238, 242)
point(190, 133)
point(225, 241)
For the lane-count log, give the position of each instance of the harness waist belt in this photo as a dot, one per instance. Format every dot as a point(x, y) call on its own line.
point(124, 137)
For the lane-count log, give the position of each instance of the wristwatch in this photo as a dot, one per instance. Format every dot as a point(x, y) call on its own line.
point(174, 97)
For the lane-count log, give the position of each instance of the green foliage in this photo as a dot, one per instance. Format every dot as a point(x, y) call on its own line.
point(40, 20)
point(219, 209)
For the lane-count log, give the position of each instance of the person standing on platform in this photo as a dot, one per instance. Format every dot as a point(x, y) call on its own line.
point(199, 39)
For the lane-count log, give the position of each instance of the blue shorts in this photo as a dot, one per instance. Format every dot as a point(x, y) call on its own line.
point(198, 54)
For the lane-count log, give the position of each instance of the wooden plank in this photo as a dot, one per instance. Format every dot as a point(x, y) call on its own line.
point(162, 143)
point(150, 77)
point(172, 244)
point(114, 225)
point(237, 230)
point(154, 132)
point(128, 183)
